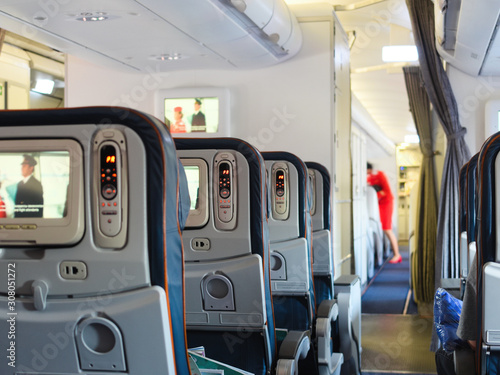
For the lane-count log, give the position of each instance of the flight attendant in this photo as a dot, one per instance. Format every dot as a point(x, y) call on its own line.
point(385, 204)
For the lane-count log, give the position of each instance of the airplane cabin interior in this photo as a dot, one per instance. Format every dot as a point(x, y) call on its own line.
point(268, 187)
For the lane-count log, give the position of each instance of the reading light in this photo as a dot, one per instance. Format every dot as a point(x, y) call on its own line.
point(92, 17)
point(412, 138)
point(44, 86)
point(399, 53)
point(168, 57)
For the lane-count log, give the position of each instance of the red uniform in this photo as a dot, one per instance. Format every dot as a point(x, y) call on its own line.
point(178, 127)
point(3, 213)
point(385, 198)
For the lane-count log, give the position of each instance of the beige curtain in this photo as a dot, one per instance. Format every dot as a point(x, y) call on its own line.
point(423, 264)
point(441, 96)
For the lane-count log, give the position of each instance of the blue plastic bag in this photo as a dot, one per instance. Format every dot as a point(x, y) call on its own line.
point(447, 311)
point(492, 364)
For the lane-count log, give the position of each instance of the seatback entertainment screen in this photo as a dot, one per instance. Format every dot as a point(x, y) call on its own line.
point(197, 177)
point(193, 179)
point(34, 184)
point(41, 192)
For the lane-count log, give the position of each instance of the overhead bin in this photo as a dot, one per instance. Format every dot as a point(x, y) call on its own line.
point(189, 34)
point(259, 11)
point(269, 22)
point(280, 26)
point(460, 42)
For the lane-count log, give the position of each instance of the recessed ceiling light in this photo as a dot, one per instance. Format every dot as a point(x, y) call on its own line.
point(92, 16)
point(399, 53)
point(168, 57)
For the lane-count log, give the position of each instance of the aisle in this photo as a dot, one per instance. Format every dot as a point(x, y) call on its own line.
point(395, 339)
point(396, 344)
point(388, 291)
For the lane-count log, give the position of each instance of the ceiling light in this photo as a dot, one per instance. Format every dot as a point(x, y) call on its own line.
point(44, 86)
point(168, 57)
point(399, 53)
point(412, 138)
point(93, 16)
point(92, 19)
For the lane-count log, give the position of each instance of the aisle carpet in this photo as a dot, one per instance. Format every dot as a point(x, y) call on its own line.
point(387, 292)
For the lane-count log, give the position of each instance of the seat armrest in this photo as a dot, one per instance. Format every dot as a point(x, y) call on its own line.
point(294, 347)
point(329, 363)
point(328, 309)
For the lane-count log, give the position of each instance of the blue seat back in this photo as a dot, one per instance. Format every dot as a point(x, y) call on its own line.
point(229, 304)
point(487, 253)
point(467, 214)
point(323, 262)
point(291, 239)
point(471, 199)
point(462, 209)
point(129, 303)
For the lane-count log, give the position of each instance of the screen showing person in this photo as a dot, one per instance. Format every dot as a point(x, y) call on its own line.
point(193, 179)
point(178, 125)
point(34, 184)
point(198, 121)
point(189, 115)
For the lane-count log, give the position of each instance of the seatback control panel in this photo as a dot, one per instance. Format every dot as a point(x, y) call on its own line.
point(225, 191)
point(280, 195)
point(110, 189)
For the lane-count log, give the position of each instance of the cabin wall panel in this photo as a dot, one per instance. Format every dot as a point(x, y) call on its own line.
point(471, 94)
point(88, 84)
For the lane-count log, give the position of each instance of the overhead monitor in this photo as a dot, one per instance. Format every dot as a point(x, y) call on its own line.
point(41, 193)
point(195, 112)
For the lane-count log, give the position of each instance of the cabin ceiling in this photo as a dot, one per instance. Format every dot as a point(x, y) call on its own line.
point(141, 33)
point(379, 86)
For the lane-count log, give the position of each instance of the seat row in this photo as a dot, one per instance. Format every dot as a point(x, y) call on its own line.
point(479, 257)
point(205, 244)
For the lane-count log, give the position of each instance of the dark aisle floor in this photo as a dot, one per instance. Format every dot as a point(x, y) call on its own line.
point(393, 342)
point(388, 291)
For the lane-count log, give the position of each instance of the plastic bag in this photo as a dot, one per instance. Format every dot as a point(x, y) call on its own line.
point(447, 311)
point(492, 364)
